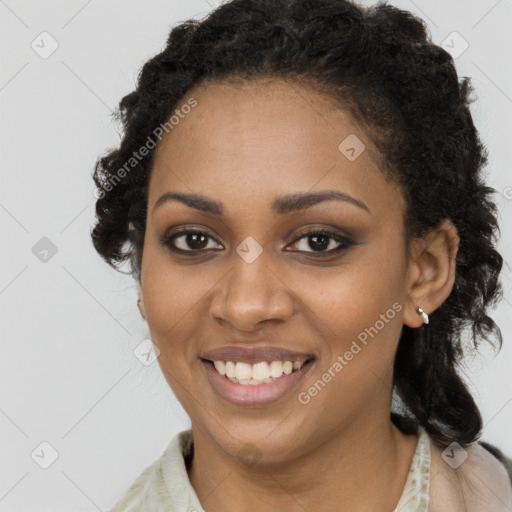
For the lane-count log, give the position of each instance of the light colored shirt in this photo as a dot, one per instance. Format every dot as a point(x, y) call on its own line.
point(453, 479)
point(415, 495)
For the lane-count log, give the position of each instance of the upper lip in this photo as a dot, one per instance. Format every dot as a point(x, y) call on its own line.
point(255, 354)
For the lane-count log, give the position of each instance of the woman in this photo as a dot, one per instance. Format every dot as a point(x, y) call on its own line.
point(299, 194)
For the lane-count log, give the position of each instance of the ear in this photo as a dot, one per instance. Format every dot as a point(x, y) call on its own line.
point(140, 304)
point(431, 271)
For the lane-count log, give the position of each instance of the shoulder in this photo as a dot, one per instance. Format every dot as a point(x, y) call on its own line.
point(468, 479)
point(137, 496)
point(506, 461)
point(150, 492)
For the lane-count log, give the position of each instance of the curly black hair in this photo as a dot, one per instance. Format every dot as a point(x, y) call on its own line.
point(380, 64)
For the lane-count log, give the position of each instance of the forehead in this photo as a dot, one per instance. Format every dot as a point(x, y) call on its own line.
point(267, 138)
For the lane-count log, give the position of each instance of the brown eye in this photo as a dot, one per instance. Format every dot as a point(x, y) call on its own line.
point(319, 240)
point(187, 241)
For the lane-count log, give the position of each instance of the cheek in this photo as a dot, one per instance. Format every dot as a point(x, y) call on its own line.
point(166, 286)
point(364, 314)
point(174, 300)
point(354, 295)
point(361, 304)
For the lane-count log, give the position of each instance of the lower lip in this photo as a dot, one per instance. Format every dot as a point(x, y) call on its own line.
point(258, 394)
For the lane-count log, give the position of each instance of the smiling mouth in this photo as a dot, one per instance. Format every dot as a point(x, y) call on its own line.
point(256, 374)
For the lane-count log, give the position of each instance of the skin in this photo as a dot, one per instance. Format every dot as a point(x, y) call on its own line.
point(246, 145)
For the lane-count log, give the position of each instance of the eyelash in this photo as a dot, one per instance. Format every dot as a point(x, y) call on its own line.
point(167, 241)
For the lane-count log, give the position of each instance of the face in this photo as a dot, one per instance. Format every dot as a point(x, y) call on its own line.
point(268, 267)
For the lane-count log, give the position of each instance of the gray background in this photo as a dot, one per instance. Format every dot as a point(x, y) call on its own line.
point(69, 324)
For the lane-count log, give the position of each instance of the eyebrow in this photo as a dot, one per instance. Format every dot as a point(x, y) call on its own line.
point(282, 205)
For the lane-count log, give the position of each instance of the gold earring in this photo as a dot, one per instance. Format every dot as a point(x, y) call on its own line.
point(424, 315)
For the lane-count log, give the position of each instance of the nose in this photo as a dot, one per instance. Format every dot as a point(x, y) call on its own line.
point(251, 294)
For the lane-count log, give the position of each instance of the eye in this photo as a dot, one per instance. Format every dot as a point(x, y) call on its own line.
point(195, 240)
point(320, 240)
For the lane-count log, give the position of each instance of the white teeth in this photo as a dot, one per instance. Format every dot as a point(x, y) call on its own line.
point(220, 366)
point(258, 373)
point(276, 369)
point(243, 371)
point(230, 369)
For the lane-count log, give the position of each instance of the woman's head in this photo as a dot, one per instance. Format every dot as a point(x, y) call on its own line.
point(274, 98)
